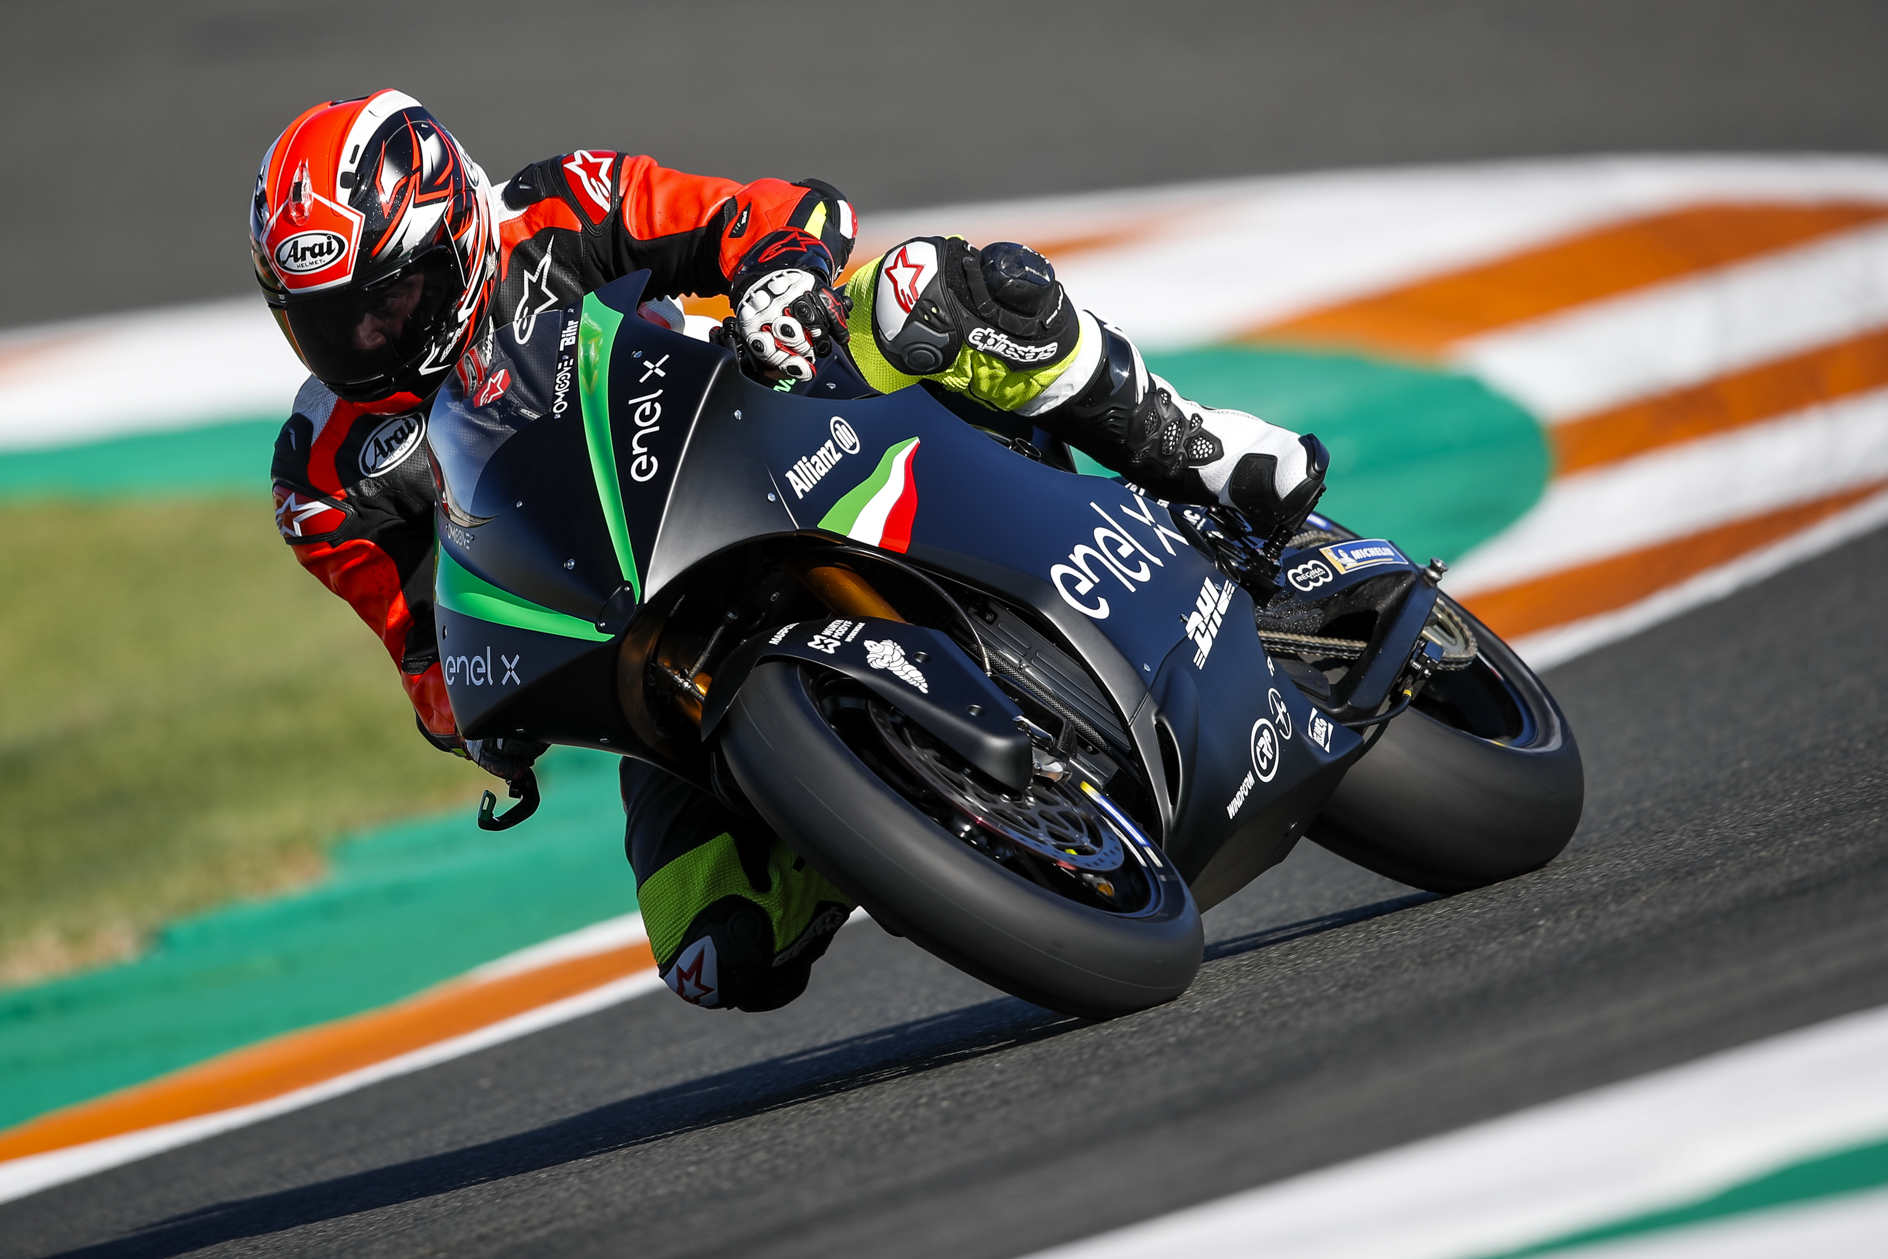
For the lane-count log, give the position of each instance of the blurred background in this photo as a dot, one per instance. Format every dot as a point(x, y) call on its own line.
point(134, 131)
point(216, 822)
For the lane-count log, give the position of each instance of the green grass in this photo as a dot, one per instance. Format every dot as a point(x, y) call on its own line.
point(185, 716)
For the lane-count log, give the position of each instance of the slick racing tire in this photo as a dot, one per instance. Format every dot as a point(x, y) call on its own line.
point(1478, 782)
point(917, 879)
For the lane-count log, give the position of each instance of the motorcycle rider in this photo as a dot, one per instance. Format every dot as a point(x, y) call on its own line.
point(388, 259)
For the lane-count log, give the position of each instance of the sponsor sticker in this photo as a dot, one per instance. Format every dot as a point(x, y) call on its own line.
point(310, 251)
point(1281, 715)
point(1209, 612)
point(889, 656)
point(389, 445)
point(477, 669)
point(843, 434)
point(781, 634)
point(809, 470)
point(1265, 749)
point(1348, 557)
point(648, 420)
point(1309, 575)
point(829, 639)
point(1238, 800)
point(1318, 729)
point(1118, 553)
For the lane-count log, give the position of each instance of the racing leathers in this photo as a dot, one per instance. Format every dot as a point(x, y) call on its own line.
point(994, 326)
point(355, 498)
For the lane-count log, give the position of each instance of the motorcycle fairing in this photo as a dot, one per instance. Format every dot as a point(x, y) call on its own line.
point(735, 464)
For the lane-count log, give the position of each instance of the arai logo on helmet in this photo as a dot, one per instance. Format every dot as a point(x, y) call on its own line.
point(388, 446)
point(310, 251)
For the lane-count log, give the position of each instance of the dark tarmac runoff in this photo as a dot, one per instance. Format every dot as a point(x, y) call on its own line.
point(1729, 880)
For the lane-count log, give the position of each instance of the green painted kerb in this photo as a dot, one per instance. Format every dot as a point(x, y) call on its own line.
point(594, 341)
point(460, 590)
point(1434, 460)
point(1859, 1169)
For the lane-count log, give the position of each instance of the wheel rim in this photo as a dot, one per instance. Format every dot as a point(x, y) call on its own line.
point(1061, 834)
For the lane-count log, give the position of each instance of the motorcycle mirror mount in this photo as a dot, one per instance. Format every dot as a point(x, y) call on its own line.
point(524, 789)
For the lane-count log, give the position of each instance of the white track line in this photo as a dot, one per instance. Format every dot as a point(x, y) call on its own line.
point(22, 1176)
point(1226, 255)
point(1680, 490)
point(1605, 353)
point(1651, 1142)
point(1562, 643)
point(1841, 1228)
point(181, 367)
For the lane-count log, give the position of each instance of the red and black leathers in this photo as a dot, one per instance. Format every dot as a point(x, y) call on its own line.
point(354, 493)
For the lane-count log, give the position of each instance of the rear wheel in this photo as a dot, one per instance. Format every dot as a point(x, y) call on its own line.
point(1479, 782)
point(1051, 893)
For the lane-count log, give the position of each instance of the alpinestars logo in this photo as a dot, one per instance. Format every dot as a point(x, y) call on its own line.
point(905, 277)
point(525, 321)
point(887, 655)
point(990, 341)
point(809, 470)
point(1209, 612)
point(590, 172)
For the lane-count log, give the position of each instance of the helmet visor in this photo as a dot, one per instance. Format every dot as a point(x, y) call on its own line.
point(364, 334)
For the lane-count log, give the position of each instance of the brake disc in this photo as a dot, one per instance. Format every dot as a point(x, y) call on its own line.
point(1051, 820)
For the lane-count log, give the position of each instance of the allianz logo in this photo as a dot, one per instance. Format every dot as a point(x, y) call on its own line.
point(809, 470)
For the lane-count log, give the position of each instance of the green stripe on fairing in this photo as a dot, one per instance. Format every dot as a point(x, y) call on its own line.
point(463, 591)
point(1854, 1170)
point(845, 512)
point(1434, 460)
point(227, 457)
point(596, 338)
point(404, 906)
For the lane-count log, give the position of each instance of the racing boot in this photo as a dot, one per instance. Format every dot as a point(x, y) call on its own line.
point(1140, 425)
point(735, 918)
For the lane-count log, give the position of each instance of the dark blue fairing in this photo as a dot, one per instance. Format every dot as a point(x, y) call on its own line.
point(1169, 638)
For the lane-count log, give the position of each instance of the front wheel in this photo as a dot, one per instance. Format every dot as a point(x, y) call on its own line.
point(1052, 893)
point(1479, 782)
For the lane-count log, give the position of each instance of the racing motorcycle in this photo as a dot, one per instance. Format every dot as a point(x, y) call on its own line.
point(1033, 720)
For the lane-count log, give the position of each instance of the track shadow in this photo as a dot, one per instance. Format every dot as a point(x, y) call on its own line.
point(777, 1084)
point(1312, 926)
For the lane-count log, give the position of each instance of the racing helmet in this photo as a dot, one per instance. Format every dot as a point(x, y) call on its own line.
point(371, 232)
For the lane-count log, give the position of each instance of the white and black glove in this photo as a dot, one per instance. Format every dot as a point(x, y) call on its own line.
point(787, 321)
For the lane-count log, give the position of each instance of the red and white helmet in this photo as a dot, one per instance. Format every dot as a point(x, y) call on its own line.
point(373, 243)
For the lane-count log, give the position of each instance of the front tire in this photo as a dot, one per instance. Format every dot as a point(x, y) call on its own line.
point(1479, 782)
point(866, 835)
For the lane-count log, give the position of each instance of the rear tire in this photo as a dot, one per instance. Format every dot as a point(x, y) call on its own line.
point(1479, 782)
point(948, 897)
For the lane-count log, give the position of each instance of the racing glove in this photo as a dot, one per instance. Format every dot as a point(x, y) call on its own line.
point(787, 320)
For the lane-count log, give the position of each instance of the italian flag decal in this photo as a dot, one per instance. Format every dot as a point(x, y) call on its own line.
point(878, 511)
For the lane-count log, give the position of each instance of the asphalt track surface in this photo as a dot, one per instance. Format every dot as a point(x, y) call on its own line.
point(1729, 881)
point(134, 130)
